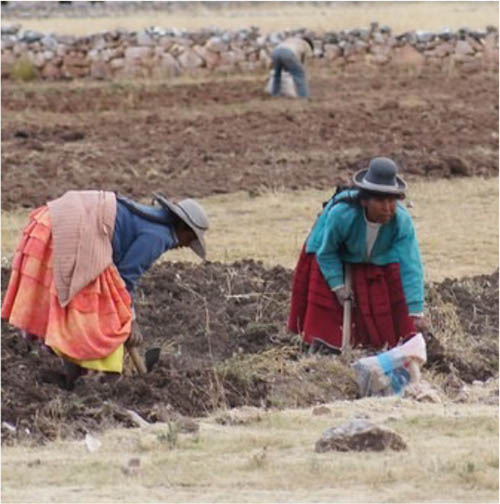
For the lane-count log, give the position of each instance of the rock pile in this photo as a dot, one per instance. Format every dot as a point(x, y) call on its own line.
point(165, 52)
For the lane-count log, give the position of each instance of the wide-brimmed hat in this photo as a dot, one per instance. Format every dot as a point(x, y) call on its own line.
point(380, 176)
point(193, 215)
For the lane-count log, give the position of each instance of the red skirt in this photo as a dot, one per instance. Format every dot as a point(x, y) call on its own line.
point(380, 316)
point(91, 329)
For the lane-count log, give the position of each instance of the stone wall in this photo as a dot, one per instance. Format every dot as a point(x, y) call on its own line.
point(160, 52)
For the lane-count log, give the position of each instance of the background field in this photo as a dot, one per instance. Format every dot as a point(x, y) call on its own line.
point(269, 16)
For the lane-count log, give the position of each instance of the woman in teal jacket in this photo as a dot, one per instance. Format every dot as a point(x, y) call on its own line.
point(369, 229)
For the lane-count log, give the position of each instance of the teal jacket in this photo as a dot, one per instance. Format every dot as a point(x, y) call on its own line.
point(339, 235)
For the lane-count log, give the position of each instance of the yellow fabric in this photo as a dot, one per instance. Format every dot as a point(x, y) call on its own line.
point(113, 363)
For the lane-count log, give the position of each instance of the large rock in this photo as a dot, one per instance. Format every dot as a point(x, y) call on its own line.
point(331, 52)
point(138, 53)
point(359, 435)
point(491, 40)
point(212, 59)
point(76, 59)
point(144, 39)
point(441, 50)
point(100, 70)
point(463, 48)
point(232, 57)
point(407, 56)
point(12, 29)
point(7, 63)
point(75, 72)
point(117, 63)
point(216, 44)
point(190, 59)
point(51, 71)
point(167, 66)
point(38, 59)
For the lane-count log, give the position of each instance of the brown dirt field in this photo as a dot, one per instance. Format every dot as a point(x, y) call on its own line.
point(221, 326)
point(221, 330)
point(222, 136)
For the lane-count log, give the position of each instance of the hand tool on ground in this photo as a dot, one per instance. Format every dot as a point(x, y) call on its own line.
point(346, 322)
point(151, 357)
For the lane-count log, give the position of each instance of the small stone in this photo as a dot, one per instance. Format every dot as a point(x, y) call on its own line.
point(321, 410)
point(133, 467)
point(91, 443)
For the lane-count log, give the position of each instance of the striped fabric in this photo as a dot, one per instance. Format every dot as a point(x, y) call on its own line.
point(91, 329)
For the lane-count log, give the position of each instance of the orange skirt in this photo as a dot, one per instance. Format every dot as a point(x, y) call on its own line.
point(91, 329)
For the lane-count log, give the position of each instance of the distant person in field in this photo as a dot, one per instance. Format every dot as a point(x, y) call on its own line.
point(76, 267)
point(369, 230)
point(290, 55)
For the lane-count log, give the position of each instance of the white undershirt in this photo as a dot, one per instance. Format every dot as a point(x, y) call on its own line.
point(372, 229)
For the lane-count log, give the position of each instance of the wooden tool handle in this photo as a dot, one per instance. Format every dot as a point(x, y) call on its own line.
point(138, 362)
point(346, 322)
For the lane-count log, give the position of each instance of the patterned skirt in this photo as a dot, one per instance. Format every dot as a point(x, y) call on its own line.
point(380, 317)
point(91, 330)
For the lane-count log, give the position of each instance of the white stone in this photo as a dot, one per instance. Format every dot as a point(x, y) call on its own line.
point(216, 44)
point(168, 65)
point(138, 53)
point(117, 63)
point(463, 48)
point(94, 55)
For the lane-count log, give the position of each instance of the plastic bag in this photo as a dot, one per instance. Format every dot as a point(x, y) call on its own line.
point(288, 87)
point(390, 372)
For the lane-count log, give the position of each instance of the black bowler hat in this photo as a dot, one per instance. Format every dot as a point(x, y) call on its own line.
point(380, 176)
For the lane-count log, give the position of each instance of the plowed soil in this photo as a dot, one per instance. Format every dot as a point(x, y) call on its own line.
point(220, 327)
point(222, 136)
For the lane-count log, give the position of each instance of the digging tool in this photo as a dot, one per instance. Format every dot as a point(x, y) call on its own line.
point(151, 357)
point(136, 359)
point(346, 322)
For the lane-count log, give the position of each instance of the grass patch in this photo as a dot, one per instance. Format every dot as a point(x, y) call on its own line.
point(456, 222)
point(24, 70)
point(272, 461)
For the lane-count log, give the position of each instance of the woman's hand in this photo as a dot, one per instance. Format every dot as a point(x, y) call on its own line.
point(135, 339)
point(421, 324)
point(343, 295)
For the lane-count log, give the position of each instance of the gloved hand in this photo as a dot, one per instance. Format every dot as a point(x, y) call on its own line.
point(343, 295)
point(421, 323)
point(135, 338)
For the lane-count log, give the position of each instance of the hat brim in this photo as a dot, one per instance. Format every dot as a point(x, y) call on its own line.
point(358, 179)
point(198, 245)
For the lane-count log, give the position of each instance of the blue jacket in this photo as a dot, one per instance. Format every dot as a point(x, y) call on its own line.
point(339, 235)
point(138, 242)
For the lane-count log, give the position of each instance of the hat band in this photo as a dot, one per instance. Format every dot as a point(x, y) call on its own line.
point(378, 187)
